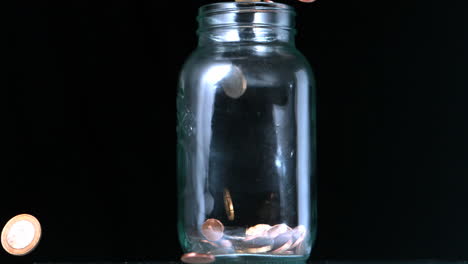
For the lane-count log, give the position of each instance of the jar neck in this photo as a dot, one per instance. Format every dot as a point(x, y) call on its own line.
point(246, 35)
point(244, 23)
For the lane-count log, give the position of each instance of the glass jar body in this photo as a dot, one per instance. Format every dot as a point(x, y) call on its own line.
point(246, 151)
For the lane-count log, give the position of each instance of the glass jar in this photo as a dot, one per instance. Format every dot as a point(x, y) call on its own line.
point(246, 137)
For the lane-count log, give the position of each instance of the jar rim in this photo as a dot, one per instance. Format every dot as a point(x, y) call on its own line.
point(244, 7)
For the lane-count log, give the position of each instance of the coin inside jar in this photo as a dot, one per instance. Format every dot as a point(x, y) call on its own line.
point(282, 242)
point(258, 230)
point(228, 205)
point(276, 230)
point(299, 234)
point(234, 84)
point(197, 258)
point(212, 229)
point(258, 244)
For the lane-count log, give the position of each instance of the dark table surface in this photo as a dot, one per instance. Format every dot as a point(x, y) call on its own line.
point(309, 262)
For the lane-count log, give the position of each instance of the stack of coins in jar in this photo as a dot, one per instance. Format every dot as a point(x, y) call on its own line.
point(216, 239)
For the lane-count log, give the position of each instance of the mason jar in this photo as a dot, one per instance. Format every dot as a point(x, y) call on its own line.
point(246, 137)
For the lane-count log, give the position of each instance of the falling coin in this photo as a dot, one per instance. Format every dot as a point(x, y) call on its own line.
point(212, 229)
point(299, 234)
point(228, 205)
point(234, 84)
point(277, 230)
point(282, 243)
point(258, 230)
point(197, 258)
point(21, 234)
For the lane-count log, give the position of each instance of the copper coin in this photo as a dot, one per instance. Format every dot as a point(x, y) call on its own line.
point(212, 229)
point(282, 243)
point(21, 234)
point(197, 258)
point(277, 230)
point(258, 230)
point(299, 234)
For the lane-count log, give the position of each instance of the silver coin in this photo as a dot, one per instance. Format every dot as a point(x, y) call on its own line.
point(234, 84)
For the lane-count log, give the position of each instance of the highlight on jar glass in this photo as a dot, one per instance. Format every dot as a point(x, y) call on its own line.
point(246, 138)
point(21, 235)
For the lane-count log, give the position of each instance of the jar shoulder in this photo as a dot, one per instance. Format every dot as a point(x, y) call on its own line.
point(278, 60)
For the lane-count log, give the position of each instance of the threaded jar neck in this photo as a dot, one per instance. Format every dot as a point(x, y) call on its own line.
point(233, 22)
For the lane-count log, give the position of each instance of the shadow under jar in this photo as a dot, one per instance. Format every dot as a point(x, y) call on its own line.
point(246, 137)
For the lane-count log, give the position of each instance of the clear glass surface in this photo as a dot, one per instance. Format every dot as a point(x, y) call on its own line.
point(246, 137)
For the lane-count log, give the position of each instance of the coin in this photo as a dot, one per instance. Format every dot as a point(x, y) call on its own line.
point(282, 242)
point(276, 230)
point(197, 258)
point(258, 244)
point(234, 84)
point(224, 247)
point(225, 243)
point(258, 241)
point(208, 245)
point(234, 233)
point(287, 252)
point(299, 234)
point(212, 229)
point(259, 249)
point(21, 234)
point(228, 205)
point(258, 230)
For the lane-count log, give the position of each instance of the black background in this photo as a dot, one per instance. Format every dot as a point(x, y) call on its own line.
point(87, 112)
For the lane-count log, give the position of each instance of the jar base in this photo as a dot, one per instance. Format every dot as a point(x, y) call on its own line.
point(263, 259)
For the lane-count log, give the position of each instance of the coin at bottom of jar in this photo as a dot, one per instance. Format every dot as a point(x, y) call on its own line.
point(256, 242)
point(299, 234)
point(277, 230)
point(282, 243)
point(197, 258)
point(212, 229)
point(255, 250)
point(257, 230)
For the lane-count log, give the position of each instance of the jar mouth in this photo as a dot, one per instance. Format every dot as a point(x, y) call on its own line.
point(246, 14)
point(245, 7)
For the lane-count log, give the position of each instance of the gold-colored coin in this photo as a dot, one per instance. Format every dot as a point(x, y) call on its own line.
point(228, 205)
point(212, 229)
point(197, 258)
point(259, 249)
point(21, 234)
point(258, 230)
